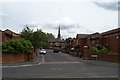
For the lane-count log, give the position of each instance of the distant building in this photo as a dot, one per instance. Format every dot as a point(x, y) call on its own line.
point(57, 43)
point(8, 35)
point(80, 41)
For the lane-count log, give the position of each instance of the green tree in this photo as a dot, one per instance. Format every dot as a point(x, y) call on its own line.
point(67, 40)
point(27, 33)
point(38, 38)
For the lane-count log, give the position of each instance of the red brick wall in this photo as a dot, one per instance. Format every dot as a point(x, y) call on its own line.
point(10, 58)
point(112, 57)
point(103, 56)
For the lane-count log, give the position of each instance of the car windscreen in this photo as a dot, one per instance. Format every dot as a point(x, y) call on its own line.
point(42, 49)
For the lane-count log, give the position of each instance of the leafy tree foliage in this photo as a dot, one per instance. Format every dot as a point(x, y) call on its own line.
point(37, 38)
point(16, 46)
point(67, 40)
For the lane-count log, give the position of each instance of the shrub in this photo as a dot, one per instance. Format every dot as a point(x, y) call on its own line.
point(16, 46)
point(105, 50)
point(93, 49)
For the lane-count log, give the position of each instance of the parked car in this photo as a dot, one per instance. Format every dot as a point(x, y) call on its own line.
point(42, 51)
point(56, 50)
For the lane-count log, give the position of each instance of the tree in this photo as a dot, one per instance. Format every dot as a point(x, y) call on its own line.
point(37, 38)
point(67, 40)
point(27, 33)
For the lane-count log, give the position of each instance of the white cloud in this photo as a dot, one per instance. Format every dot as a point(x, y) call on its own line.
point(65, 21)
point(73, 18)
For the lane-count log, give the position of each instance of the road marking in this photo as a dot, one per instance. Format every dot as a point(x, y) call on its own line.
point(40, 64)
point(62, 63)
point(18, 66)
point(43, 59)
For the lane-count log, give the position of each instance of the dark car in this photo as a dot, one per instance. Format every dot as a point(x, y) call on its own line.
point(56, 50)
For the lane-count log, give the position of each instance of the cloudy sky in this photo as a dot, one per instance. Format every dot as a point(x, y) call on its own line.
point(73, 16)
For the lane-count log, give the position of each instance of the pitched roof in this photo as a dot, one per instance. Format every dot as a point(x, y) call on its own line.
point(82, 36)
point(95, 33)
point(111, 32)
point(10, 31)
point(56, 41)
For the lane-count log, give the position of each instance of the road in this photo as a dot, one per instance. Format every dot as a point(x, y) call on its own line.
point(61, 65)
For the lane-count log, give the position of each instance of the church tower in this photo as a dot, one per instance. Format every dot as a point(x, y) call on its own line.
point(59, 35)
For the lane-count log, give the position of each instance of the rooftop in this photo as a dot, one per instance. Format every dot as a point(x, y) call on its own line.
point(56, 41)
point(111, 32)
point(81, 36)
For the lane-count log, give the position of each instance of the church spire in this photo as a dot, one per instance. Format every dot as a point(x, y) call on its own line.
point(59, 35)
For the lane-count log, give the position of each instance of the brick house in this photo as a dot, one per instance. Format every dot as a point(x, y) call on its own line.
point(52, 43)
point(59, 43)
point(95, 40)
point(8, 35)
point(74, 42)
point(111, 40)
point(82, 41)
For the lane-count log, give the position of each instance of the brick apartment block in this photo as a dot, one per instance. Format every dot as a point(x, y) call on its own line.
point(109, 39)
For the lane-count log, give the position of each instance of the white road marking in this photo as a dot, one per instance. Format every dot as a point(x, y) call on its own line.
point(39, 64)
point(19, 66)
point(61, 62)
point(43, 59)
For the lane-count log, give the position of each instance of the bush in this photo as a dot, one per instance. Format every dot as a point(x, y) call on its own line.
point(93, 49)
point(104, 50)
point(16, 46)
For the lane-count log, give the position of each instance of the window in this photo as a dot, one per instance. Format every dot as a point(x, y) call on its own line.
point(93, 41)
point(51, 43)
point(51, 47)
point(62, 43)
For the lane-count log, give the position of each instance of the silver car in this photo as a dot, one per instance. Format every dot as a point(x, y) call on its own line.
point(42, 51)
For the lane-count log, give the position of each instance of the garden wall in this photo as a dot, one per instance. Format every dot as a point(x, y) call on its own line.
point(11, 58)
point(102, 56)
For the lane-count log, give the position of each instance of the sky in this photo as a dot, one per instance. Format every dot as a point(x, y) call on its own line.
point(73, 16)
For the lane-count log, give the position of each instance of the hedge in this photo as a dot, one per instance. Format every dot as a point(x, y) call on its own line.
point(17, 46)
